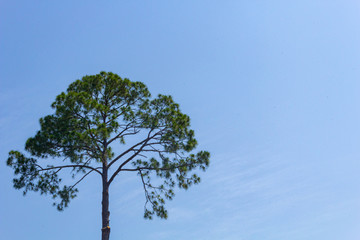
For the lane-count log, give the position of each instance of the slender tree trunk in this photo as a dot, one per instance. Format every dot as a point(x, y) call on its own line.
point(105, 230)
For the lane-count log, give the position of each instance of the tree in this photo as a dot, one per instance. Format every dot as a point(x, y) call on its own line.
point(96, 114)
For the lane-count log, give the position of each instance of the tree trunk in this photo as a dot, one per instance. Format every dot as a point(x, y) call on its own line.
point(105, 230)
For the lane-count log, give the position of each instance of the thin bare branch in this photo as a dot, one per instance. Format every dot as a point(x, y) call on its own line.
point(151, 168)
point(81, 179)
point(70, 166)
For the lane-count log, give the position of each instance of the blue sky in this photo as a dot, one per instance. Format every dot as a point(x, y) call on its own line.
point(272, 88)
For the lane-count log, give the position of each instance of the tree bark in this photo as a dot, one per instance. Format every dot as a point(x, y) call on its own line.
point(105, 230)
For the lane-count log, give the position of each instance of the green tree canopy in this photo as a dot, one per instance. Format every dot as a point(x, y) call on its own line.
point(106, 125)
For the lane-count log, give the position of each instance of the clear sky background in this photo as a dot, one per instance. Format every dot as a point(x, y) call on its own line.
point(272, 88)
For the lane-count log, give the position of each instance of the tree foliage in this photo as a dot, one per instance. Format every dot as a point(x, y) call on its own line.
point(106, 125)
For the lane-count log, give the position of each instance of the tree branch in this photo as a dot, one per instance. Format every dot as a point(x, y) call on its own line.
point(81, 179)
point(145, 190)
point(70, 166)
point(132, 148)
point(120, 134)
point(151, 168)
point(144, 142)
